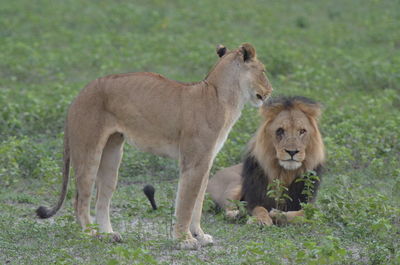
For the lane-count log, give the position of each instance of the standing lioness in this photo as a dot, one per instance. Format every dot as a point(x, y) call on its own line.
point(185, 121)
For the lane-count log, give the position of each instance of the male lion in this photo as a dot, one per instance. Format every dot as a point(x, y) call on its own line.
point(185, 121)
point(287, 145)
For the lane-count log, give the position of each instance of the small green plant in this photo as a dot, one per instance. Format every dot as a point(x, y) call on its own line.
point(311, 211)
point(301, 22)
point(279, 193)
point(255, 253)
point(329, 252)
point(139, 256)
point(309, 179)
point(242, 216)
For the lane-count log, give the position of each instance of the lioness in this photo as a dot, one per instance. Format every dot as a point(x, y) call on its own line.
point(287, 145)
point(185, 121)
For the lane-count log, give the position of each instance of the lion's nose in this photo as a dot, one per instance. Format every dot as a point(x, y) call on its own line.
point(291, 152)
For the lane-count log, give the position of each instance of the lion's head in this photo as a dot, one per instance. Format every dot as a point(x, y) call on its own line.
point(289, 138)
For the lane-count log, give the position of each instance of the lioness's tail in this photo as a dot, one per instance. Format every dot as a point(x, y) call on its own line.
point(44, 212)
point(149, 192)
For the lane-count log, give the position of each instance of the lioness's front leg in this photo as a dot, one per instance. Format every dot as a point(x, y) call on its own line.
point(194, 170)
point(195, 229)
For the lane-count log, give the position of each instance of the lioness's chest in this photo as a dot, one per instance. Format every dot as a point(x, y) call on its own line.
point(223, 135)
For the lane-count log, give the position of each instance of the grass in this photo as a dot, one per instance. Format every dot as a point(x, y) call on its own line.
point(345, 54)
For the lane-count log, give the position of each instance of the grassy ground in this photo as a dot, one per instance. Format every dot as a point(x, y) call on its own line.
point(345, 54)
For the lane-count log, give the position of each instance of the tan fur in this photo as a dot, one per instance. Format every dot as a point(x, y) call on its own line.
point(285, 217)
point(184, 121)
point(226, 185)
point(262, 216)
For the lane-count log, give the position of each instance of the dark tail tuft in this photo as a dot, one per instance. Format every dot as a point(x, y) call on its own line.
point(43, 212)
point(149, 192)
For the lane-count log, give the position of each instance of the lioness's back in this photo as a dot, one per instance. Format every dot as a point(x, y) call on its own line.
point(137, 98)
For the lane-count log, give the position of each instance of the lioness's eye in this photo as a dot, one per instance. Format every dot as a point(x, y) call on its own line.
point(280, 132)
point(302, 131)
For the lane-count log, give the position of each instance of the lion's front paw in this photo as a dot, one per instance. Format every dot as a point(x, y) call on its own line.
point(205, 239)
point(274, 213)
point(278, 217)
point(267, 221)
point(189, 244)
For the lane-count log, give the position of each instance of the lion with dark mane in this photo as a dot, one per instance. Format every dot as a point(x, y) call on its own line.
point(287, 145)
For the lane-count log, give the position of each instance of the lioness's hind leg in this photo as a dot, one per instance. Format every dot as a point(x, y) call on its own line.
point(106, 182)
point(86, 150)
point(85, 178)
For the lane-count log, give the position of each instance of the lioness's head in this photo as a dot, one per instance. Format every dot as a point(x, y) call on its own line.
point(250, 72)
point(289, 134)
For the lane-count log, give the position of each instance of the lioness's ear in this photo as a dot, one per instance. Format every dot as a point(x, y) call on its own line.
point(249, 52)
point(221, 50)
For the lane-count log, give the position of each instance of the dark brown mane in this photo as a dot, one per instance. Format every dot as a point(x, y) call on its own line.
point(255, 183)
point(276, 105)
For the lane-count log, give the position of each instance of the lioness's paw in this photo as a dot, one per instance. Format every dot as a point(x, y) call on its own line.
point(205, 239)
point(189, 244)
point(114, 237)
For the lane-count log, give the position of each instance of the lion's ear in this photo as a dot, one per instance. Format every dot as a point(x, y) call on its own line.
point(249, 52)
point(317, 111)
point(312, 110)
point(270, 112)
point(221, 50)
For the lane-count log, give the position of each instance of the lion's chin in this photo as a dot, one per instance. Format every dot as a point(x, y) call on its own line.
point(290, 165)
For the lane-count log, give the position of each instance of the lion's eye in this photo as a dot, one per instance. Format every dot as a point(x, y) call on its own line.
point(280, 132)
point(302, 131)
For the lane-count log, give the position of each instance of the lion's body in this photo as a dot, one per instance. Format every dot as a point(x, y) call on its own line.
point(287, 145)
point(185, 121)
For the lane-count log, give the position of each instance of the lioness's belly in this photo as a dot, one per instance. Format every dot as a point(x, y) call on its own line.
point(155, 145)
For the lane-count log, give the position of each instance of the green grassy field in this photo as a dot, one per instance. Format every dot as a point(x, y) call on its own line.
point(345, 54)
